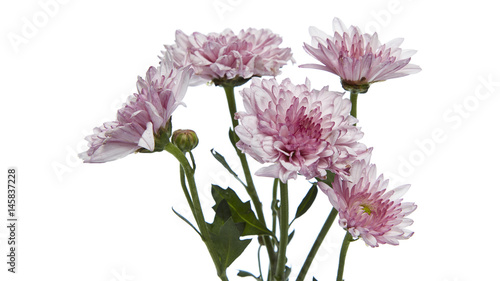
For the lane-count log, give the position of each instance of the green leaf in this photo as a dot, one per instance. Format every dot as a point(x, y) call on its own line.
point(240, 212)
point(288, 270)
point(188, 222)
point(233, 137)
point(329, 178)
point(222, 209)
point(228, 244)
point(222, 214)
point(243, 273)
point(314, 279)
point(216, 225)
point(290, 236)
point(307, 201)
point(222, 160)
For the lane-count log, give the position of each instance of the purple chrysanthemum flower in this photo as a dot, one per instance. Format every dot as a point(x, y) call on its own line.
point(227, 56)
point(367, 210)
point(359, 59)
point(143, 122)
point(298, 130)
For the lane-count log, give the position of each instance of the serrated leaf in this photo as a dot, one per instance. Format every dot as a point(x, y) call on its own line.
point(243, 273)
point(224, 163)
point(222, 214)
point(240, 212)
point(188, 222)
point(228, 244)
point(216, 225)
point(307, 201)
point(222, 209)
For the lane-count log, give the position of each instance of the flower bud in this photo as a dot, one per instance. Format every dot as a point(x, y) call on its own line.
point(185, 140)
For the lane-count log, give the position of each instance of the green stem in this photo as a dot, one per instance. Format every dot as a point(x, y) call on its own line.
point(250, 187)
point(274, 209)
point(260, 264)
point(354, 102)
point(280, 267)
point(231, 103)
point(192, 160)
point(274, 205)
point(343, 253)
point(317, 244)
point(197, 211)
point(185, 190)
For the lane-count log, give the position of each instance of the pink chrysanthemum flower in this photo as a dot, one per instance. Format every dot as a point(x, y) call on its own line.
point(367, 210)
point(359, 59)
point(225, 56)
point(298, 130)
point(143, 123)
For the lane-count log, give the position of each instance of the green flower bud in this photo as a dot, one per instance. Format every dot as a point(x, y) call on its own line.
point(185, 140)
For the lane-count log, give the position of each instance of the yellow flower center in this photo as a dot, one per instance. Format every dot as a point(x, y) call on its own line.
point(366, 209)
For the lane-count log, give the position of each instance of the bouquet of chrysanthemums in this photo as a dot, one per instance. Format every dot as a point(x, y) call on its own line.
point(292, 129)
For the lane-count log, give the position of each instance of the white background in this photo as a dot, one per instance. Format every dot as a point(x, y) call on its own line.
point(66, 68)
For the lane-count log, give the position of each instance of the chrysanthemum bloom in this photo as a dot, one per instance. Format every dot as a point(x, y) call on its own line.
point(219, 57)
point(298, 130)
point(359, 59)
point(367, 210)
point(143, 124)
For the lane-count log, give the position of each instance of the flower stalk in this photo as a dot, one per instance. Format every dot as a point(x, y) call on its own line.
point(231, 103)
point(354, 104)
point(185, 189)
point(196, 205)
point(250, 187)
point(317, 243)
point(284, 226)
point(274, 206)
point(343, 252)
